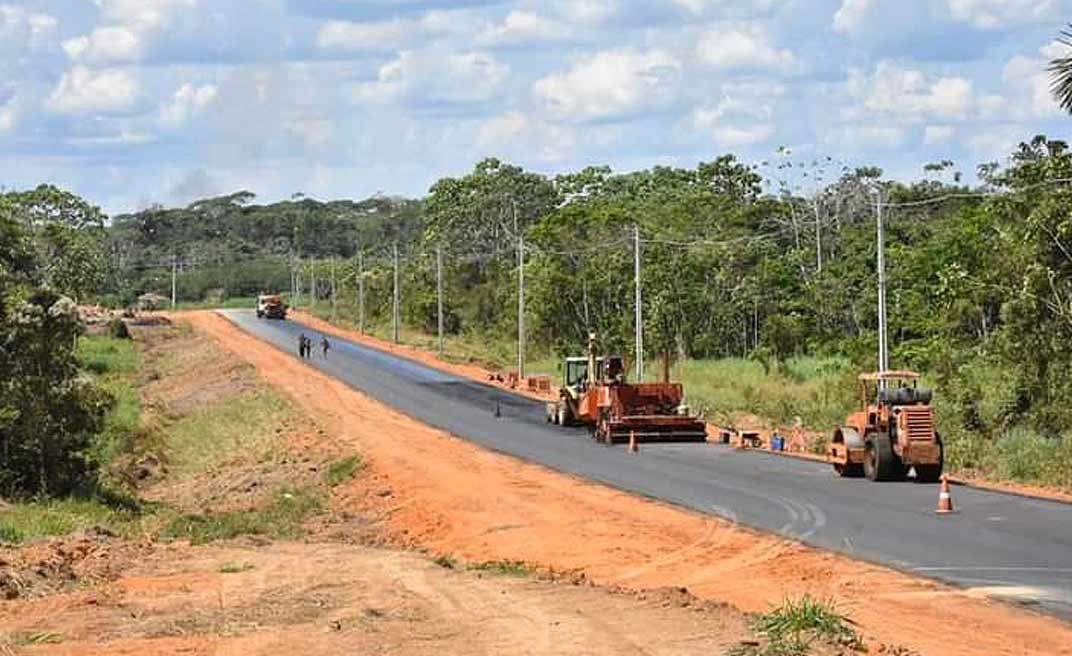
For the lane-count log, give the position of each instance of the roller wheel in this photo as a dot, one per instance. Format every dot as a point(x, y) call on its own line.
point(849, 470)
point(880, 462)
point(563, 418)
point(931, 473)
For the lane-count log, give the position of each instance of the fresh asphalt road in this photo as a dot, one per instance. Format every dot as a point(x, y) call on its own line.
point(1014, 547)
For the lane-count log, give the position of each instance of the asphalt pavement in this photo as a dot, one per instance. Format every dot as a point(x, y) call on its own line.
point(1009, 546)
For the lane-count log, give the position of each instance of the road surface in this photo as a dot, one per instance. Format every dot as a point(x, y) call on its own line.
point(1002, 545)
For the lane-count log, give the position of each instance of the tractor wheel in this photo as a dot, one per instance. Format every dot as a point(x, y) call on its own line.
point(849, 470)
point(563, 418)
point(880, 462)
point(931, 473)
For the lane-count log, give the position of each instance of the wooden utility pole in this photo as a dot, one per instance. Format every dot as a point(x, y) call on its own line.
point(520, 301)
point(174, 276)
point(439, 293)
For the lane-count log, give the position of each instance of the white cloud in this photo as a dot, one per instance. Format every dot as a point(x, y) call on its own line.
point(144, 14)
point(609, 84)
point(521, 27)
point(866, 137)
point(937, 134)
point(124, 138)
point(20, 28)
point(186, 102)
point(743, 114)
point(106, 45)
point(347, 35)
point(435, 76)
point(995, 14)
point(742, 47)
point(501, 130)
point(996, 141)
point(7, 117)
point(909, 94)
point(1028, 82)
point(851, 15)
point(82, 89)
point(730, 136)
point(586, 12)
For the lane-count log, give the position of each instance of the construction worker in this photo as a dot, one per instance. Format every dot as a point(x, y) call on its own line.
point(301, 345)
point(324, 345)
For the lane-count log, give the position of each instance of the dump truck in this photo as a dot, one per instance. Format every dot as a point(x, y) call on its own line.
point(892, 433)
point(595, 394)
point(271, 306)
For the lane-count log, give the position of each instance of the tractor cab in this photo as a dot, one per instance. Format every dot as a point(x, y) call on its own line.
point(576, 374)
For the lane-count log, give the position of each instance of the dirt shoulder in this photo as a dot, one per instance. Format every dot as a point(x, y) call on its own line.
point(446, 495)
point(743, 421)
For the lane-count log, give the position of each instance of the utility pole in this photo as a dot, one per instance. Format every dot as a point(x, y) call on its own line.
point(174, 275)
point(883, 352)
point(396, 316)
point(334, 306)
point(818, 240)
point(361, 292)
point(521, 307)
point(638, 306)
point(439, 292)
point(312, 285)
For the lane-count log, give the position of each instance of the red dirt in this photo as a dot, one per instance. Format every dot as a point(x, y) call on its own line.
point(451, 497)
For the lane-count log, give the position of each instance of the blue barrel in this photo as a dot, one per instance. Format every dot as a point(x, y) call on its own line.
point(777, 443)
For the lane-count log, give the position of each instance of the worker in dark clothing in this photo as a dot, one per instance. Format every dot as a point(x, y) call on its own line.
point(301, 345)
point(324, 345)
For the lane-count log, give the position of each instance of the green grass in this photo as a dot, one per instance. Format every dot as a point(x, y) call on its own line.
point(342, 470)
point(107, 355)
point(237, 303)
point(817, 390)
point(236, 568)
point(794, 627)
point(280, 519)
point(446, 561)
point(26, 521)
point(30, 639)
point(503, 568)
point(244, 423)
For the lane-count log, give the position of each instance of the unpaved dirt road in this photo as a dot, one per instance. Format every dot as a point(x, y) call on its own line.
point(1004, 545)
point(445, 494)
point(330, 599)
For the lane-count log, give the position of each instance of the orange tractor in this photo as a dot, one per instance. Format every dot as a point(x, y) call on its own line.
point(595, 393)
point(893, 433)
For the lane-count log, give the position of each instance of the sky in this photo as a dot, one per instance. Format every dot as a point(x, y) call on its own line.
point(134, 102)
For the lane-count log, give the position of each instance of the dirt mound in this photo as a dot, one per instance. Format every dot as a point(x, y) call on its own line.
point(63, 563)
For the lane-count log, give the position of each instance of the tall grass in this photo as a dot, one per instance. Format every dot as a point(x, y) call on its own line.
point(817, 390)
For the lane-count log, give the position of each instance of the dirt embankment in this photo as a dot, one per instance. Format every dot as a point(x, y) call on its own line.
point(333, 593)
point(444, 494)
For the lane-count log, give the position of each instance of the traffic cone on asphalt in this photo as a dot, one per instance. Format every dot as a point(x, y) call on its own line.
point(633, 448)
point(945, 502)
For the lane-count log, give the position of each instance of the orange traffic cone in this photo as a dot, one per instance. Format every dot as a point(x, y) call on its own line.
point(633, 448)
point(945, 502)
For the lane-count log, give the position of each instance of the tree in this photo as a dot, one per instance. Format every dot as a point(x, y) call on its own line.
point(1061, 73)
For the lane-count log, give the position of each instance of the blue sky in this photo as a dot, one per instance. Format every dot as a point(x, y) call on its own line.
point(132, 102)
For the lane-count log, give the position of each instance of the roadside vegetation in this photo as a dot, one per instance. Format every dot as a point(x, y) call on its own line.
point(803, 626)
point(183, 422)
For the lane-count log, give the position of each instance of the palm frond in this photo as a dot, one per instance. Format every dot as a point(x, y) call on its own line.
point(1060, 70)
